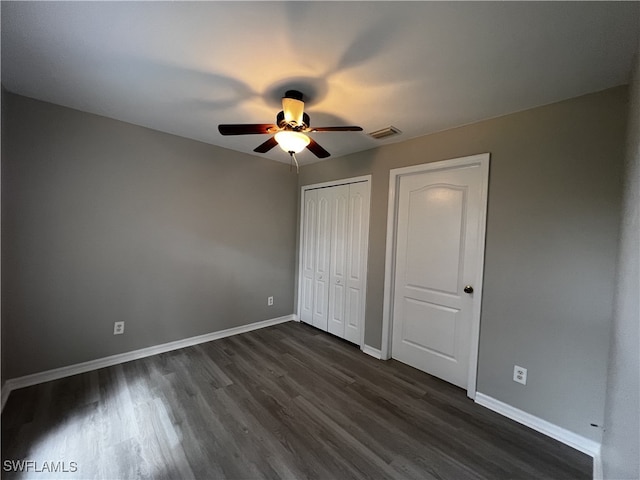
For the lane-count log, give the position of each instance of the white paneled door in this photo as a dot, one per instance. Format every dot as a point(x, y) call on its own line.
point(334, 227)
point(440, 218)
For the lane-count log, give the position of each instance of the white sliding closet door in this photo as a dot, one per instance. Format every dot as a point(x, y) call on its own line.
point(357, 236)
point(333, 258)
point(307, 257)
point(339, 204)
point(322, 255)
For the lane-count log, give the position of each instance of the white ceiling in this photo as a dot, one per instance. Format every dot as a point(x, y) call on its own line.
point(183, 67)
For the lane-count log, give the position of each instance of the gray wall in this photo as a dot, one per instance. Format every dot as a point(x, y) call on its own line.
point(621, 443)
point(105, 221)
point(554, 201)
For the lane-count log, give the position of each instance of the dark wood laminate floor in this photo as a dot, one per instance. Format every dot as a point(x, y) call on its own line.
point(285, 402)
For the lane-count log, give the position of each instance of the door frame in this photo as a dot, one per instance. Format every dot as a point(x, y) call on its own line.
point(482, 160)
point(334, 183)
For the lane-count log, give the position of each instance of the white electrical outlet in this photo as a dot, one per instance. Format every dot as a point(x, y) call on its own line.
point(118, 328)
point(269, 301)
point(520, 374)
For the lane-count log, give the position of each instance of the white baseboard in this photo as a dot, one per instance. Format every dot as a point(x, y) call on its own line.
point(5, 395)
point(583, 444)
point(374, 352)
point(56, 373)
point(598, 469)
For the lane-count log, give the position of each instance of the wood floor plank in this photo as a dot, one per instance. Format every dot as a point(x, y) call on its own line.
point(284, 402)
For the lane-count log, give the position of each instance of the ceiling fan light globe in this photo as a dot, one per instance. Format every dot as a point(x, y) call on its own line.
point(292, 141)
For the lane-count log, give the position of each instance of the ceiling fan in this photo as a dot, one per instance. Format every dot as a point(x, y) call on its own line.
point(289, 130)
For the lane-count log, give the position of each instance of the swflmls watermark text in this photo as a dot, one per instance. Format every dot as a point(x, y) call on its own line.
point(39, 467)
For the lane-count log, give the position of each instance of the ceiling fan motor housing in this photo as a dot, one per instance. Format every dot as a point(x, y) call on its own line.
point(294, 94)
point(293, 108)
point(282, 122)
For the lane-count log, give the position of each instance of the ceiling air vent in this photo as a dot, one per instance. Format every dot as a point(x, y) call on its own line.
point(385, 132)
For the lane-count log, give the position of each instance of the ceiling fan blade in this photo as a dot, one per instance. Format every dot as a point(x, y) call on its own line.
point(266, 146)
point(247, 128)
point(347, 128)
point(317, 150)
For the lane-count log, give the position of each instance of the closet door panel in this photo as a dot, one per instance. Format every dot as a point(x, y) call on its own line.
point(308, 256)
point(357, 232)
point(339, 258)
point(322, 259)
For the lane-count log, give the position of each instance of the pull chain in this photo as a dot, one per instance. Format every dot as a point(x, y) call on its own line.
point(293, 156)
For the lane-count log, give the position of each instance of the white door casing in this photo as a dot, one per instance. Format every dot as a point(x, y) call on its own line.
point(435, 247)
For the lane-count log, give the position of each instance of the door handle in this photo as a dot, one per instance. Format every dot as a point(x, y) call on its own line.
point(468, 289)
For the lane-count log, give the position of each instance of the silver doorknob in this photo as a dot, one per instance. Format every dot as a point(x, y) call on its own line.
point(468, 289)
point(338, 281)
